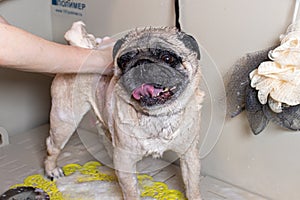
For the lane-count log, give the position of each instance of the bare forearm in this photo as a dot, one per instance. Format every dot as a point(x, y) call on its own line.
point(25, 51)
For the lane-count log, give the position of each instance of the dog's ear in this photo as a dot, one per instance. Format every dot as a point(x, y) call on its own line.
point(190, 43)
point(117, 47)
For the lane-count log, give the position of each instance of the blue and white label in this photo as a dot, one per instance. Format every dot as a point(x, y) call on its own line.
point(69, 7)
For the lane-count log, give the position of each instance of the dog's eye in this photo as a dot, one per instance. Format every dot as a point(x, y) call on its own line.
point(122, 62)
point(125, 59)
point(169, 58)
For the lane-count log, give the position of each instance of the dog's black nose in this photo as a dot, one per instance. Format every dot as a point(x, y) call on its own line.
point(142, 62)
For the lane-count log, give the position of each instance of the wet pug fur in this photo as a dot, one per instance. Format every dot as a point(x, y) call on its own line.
point(150, 105)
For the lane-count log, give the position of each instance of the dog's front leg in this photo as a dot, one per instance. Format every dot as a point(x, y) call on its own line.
point(190, 167)
point(125, 166)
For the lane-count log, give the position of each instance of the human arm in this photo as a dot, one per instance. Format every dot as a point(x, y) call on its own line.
point(24, 51)
point(2, 20)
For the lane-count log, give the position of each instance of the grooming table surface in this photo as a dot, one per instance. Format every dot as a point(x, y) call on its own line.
point(25, 154)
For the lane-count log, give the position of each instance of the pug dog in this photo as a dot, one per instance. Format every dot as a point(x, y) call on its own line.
point(151, 104)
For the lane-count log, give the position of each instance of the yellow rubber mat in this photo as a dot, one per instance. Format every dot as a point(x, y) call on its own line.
point(91, 172)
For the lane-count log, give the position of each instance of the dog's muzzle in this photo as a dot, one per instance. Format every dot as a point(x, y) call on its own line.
point(151, 94)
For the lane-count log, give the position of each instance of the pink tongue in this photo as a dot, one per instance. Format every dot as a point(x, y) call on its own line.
point(145, 90)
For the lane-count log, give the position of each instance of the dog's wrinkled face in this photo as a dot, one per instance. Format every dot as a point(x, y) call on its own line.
point(156, 65)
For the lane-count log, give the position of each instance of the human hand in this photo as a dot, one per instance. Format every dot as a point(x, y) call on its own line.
point(100, 59)
point(101, 56)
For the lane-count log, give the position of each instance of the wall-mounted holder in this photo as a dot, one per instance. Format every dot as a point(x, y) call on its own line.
point(3, 137)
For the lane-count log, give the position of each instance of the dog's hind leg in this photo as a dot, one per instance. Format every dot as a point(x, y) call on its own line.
point(59, 136)
point(68, 108)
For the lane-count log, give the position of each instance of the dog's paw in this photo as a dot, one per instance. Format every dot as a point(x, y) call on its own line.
point(55, 173)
